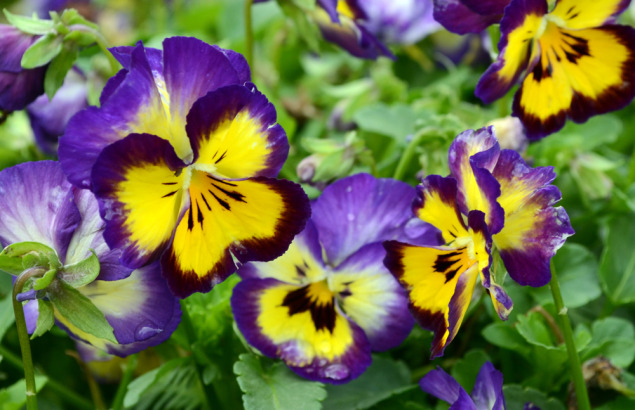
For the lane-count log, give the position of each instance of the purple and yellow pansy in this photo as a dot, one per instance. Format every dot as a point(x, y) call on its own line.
point(39, 205)
point(182, 156)
point(573, 62)
point(328, 301)
point(492, 201)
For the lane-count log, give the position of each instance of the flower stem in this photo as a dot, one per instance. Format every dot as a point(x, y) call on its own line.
point(131, 366)
point(23, 336)
point(409, 153)
point(249, 35)
point(579, 385)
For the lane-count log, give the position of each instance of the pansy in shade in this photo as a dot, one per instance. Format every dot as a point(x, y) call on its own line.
point(468, 16)
point(492, 200)
point(328, 301)
point(182, 156)
point(39, 205)
point(487, 393)
point(573, 62)
point(343, 22)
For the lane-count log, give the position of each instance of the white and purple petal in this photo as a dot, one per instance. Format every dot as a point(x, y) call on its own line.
point(372, 297)
point(37, 205)
point(361, 209)
point(488, 388)
point(443, 386)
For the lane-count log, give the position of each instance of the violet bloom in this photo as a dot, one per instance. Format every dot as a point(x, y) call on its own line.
point(468, 16)
point(18, 86)
point(49, 117)
point(39, 205)
point(492, 200)
point(328, 301)
point(399, 21)
point(487, 393)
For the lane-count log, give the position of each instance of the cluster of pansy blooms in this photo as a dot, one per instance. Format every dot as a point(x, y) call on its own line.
point(171, 184)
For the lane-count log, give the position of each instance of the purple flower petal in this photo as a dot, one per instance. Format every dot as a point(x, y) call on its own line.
point(533, 229)
point(486, 7)
point(400, 22)
point(311, 336)
point(37, 205)
point(372, 298)
point(456, 17)
point(488, 388)
point(361, 209)
point(441, 385)
point(472, 157)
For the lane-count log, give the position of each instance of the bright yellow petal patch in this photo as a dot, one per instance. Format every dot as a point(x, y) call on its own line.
point(278, 322)
point(157, 118)
point(577, 14)
point(151, 195)
point(442, 215)
point(518, 46)
point(344, 9)
point(223, 213)
point(237, 148)
point(584, 62)
point(295, 266)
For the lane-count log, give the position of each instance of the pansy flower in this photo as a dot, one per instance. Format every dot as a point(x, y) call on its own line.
point(491, 201)
point(343, 22)
point(573, 62)
point(468, 16)
point(182, 156)
point(487, 393)
point(323, 305)
point(39, 205)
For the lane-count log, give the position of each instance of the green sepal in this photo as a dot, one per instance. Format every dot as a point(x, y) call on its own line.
point(17, 257)
point(59, 67)
point(81, 38)
point(80, 311)
point(306, 28)
point(42, 51)
point(45, 318)
point(321, 145)
point(81, 273)
point(71, 17)
point(45, 280)
point(30, 25)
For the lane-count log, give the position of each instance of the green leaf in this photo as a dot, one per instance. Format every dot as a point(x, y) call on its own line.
point(506, 336)
point(14, 396)
point(42, 51)
point(384, 378)
point(45, 318)
point(57, 70)
point(45, 280)
point(613, 338)
point(617, 266)
point(305, 27)
point(11, 257)
point(576, 268)
point(397, 121)
point(6, 318)
point(534, 329)
point(142, 383)
point(31, 25)
point(517, 396)
point(275, 386)
point(81, 273)
point(80, 311)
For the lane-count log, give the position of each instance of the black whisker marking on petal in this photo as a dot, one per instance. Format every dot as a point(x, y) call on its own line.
point(205, 200)
point(199, 215)
point(190, 221)
point(236, 196)
point(221, 157)
point(220, 201)
point(450, 274)
point(168, 183)
point(220, 180)
point(323, 314)
point(301, 272)
point(169, 194)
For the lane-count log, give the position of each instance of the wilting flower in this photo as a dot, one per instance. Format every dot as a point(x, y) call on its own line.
point(399, 22)
point(183, 154)
point(575, 62)
point(39, 205)
point(49, 117)
point(343, 22)
point(492, 199)
point(487, 393)
point(18, 86)
point(468, 16)
point(323, 305)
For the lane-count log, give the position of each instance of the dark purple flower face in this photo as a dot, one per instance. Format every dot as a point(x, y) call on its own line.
point(468, 16)
point(18, 87)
